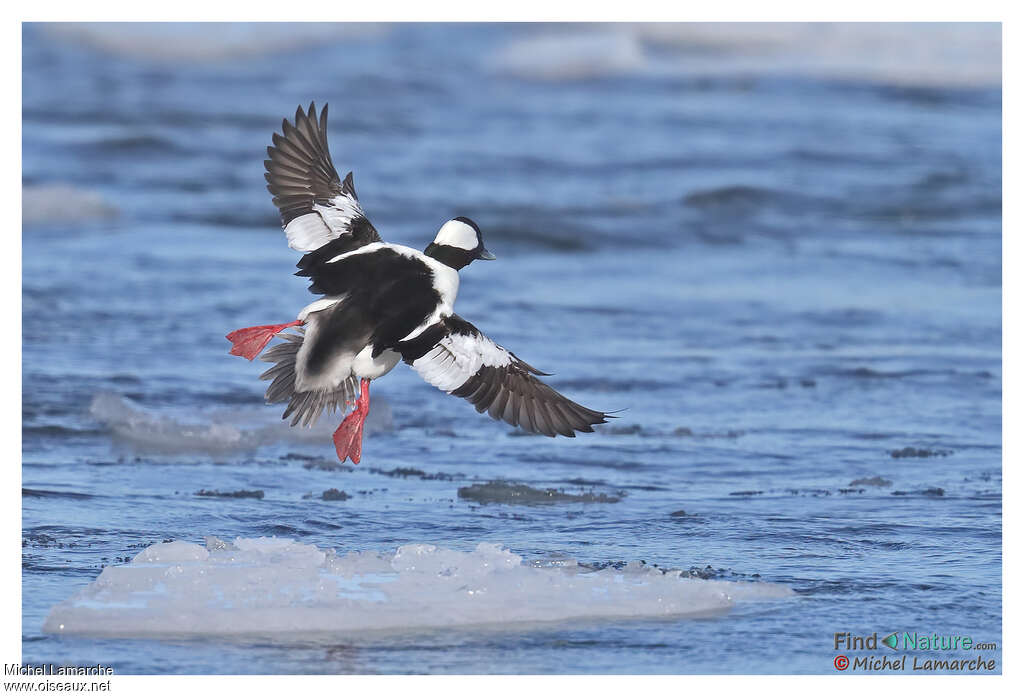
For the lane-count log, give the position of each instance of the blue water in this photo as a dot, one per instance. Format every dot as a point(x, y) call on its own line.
point(790, 280)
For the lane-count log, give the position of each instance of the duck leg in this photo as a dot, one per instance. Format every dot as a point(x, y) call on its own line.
point(348, 439)
point(248, 342)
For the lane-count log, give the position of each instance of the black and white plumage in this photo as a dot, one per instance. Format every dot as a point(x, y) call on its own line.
point(383, 303)
point(308, 405)
point(321, 215)
point(456, 357)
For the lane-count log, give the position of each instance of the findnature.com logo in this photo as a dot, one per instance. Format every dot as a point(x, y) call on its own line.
point(911, 642)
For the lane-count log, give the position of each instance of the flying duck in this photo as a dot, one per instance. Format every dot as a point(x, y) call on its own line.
point(381, 303)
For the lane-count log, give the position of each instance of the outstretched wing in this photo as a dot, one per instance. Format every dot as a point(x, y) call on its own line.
point(456, 357)
point(320, 213)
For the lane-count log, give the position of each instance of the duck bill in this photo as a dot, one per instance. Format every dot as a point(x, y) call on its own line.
point(485, 255)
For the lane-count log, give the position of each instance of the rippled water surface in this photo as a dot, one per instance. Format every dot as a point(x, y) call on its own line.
point(788, 279)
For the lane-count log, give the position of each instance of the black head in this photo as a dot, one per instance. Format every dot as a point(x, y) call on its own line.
point(458, 243)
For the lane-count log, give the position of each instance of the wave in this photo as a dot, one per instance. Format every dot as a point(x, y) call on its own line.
point(63, 203)
point(896, 54)
point(152, 433)
point(199, 42)
point(272, 586)
point(740, 199)
point(225, 433)
point(559, 57)
point(47, 494)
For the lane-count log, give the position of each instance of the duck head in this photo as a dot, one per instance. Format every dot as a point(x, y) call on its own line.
point(458, 243)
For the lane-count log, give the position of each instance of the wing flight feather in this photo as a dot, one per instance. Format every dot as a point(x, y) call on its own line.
point(456, 357)
point(320, 212)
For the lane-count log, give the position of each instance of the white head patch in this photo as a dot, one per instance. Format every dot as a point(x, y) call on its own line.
point(456, 233)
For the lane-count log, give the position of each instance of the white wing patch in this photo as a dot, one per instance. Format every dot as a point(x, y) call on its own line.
point(457, 358)
point(465, 363)
point(309, 232)
point(339, 215)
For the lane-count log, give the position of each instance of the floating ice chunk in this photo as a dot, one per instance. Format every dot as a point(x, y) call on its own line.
point(271, 585)
point(358, 564)
point(167, 552)
point(215, 544)
point(428, 559)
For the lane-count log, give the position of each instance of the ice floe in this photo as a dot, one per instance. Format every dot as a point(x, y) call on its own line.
point(269, 586)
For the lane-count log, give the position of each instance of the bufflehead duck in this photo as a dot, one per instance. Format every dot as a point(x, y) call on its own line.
point(381, 303)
